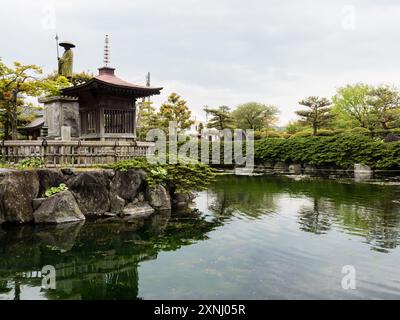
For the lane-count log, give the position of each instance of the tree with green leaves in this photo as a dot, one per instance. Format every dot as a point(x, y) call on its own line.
point(17, 83)
point(175, 109)
point(51, 86)
point(351, 105)
point(318, 114)
point(294, 127)
point(53, 83)
point(384, 102)
point(81, 78)
point(221, 118)
point(63, 82)
point(148, 118)
point(256, 116)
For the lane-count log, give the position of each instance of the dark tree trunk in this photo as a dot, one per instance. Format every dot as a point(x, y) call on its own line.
point(7, 122)
point(314, 130)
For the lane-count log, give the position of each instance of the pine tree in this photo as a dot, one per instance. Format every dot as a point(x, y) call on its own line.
point(319, 113)
point(175, 109)
point(221, 118)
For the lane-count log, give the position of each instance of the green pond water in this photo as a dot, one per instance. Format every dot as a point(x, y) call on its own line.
point(262, 237)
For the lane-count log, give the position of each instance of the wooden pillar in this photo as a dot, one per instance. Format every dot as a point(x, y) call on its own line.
point(101, 123)
point(134, 117)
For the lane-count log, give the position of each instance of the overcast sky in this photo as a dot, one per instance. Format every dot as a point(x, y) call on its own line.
point(217, 52)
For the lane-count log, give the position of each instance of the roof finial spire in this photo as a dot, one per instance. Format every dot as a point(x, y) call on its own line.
point(106, 52)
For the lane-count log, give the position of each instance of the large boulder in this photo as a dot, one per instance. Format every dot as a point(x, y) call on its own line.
point(17, 190)
point(59, 208)
point(49, 178)
point(281, 166)
point(362, 168)
point(138, 210)
point(91, 191)
point(127, 184)
point(295, 168)
point(268, 165)
point(159, 198)
point(362, 172)
point(182, 200)
point(67, 171)
point(117, 203)
point(310, 169)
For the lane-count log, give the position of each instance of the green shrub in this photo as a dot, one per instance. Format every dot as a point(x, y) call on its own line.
point(359, 130)
point(304, 133)
point(342, 151)
point(258, 135)
point(272, 134)
point(30, 163)
point(294, 127)
point(182, 177)
point(325, 133)
point(53, 190)
point(391, 160)
point(4, 164)
point(266, 134)
point(395, 131)
point(339, 131)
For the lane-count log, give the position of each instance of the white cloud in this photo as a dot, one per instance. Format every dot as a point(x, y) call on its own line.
point(217, 52)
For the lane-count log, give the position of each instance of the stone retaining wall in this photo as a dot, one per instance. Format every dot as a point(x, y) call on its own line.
point(90, 194)
point(299, 168)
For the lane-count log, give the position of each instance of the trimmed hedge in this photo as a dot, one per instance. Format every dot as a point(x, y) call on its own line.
point(341, 151)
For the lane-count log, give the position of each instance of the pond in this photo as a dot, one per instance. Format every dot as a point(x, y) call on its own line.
point(260, 237)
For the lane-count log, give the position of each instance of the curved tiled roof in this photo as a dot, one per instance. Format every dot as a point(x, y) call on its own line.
point(35, 123)
point(107, 77)
point(111, 78)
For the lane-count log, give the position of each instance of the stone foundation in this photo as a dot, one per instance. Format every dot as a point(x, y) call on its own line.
point(62, 117)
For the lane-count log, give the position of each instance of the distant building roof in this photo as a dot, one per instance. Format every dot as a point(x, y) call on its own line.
point(35, 123)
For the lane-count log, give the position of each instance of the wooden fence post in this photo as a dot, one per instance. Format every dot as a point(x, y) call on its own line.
point(55, 153)
point(44, 151)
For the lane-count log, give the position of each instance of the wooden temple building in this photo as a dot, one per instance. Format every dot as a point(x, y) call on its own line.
point(107, 106)
point(101, 109)
point(88, 124)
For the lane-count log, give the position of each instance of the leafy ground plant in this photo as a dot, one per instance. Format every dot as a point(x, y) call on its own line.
point(53, 190)
point(181, 177)
point(30, 163)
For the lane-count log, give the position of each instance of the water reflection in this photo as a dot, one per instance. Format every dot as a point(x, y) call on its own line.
point(247, 195)
point(97, 260)
point(315, 217)
point(368, 210)
point(254, 237)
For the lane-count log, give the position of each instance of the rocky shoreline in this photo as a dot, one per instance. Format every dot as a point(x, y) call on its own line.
point(90, 194)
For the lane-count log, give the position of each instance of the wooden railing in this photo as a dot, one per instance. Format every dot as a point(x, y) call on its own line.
point(57, 153)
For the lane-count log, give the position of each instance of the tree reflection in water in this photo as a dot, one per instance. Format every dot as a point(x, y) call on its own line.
point(368, 210)
point(315, 218)
point(100, 259)
point(94, 260)
point(245, 195)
